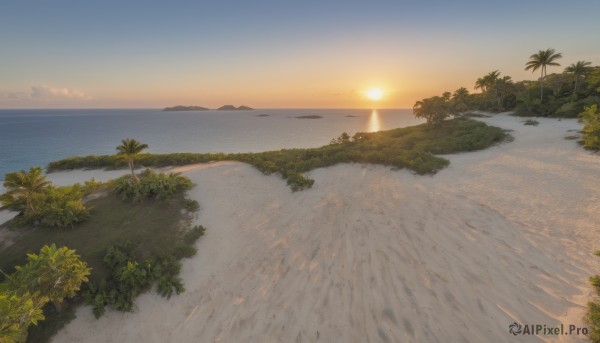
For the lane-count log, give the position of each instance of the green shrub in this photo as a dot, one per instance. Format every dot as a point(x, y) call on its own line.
point(531, 122)
point(194, 233)
point(184, 251)
point(157, 186)
point(591, 128)
point(168, 284)
point(191, 205)
point(593, 315)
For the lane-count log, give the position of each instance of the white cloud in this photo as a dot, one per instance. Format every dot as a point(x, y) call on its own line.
point(50, 93)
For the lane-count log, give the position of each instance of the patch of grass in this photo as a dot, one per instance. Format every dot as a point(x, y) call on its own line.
point(410, 147)
point(531, 122)
point(153, 226)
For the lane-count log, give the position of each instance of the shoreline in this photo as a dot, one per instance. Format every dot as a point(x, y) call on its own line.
point(501, 235)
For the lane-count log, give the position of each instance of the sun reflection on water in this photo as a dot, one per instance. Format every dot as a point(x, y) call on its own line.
point(374, 124)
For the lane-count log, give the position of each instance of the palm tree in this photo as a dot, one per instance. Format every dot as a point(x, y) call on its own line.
point(541, 60)
point(434, 110)
point(578, 69)
point(460, 100)
point(23, 186)
point(488, 81)
point(130, 148)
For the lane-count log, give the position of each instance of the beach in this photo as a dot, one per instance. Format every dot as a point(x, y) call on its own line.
point(371, 254)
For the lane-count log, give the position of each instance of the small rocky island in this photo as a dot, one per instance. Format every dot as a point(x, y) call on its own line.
point(309, 117)
point(185, 108)
point(233, 108)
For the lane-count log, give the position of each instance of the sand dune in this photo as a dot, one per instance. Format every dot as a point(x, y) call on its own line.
point(374, 255)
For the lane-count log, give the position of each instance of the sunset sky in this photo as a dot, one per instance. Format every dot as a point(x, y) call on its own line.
point(275, 54)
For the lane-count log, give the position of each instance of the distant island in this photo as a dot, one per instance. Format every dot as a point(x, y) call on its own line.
point(233, 108)
point(185, 108)
point(263, 115)
point(309, 117)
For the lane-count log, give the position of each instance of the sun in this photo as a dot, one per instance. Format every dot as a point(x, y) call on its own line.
point(374, 93)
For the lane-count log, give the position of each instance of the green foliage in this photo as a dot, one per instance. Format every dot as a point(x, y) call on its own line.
point(592, 318)
point(129, 276)
point(191, 205)
point(22, 188)
point(410, 147)
point(53, 323)
point(56, 273)
point(17, 312)
point(157, 186)
point(38, 201)
point(51, 276)
point(591, 128)
point(593, 315)
point(531, 122)
point(130, 149)
point(193, 234)
point(435, 110)
point(148, 160)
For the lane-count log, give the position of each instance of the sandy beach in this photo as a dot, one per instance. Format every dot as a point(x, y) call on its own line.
point(371, 254)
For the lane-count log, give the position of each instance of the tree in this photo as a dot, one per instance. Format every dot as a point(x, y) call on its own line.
point(488, 81)
point(130, 148)
point(434, 110)
point(22, 187)
point(55, 274)
point(460, 100)
point(578, 70)
point(541, 60)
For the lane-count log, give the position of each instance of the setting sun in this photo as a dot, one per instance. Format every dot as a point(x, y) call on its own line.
point(375, 94)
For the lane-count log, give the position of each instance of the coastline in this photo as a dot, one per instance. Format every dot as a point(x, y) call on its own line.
point(369, 252)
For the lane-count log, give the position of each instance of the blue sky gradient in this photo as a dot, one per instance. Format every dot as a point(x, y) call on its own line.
point(274, 53)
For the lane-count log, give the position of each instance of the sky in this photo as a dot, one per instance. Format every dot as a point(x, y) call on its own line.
point(275, 54)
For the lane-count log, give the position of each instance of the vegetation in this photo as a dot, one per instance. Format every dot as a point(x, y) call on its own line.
point(541, 60)
point(151, 217)
point(563, 95)
point(158, 186)
point(40, 203)
point(593, 316)
point(531, 122)
point(410, 147)
point(591, 128)
point(130, 148)
point(51, 276)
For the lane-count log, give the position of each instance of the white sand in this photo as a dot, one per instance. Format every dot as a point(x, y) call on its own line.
point(374, 255)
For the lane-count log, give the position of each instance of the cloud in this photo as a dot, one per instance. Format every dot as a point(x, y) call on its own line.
point(50, 93)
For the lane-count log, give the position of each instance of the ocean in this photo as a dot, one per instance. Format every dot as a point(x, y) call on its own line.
point(35, 137)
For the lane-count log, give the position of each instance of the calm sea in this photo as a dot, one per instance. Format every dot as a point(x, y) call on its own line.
point(35, 137)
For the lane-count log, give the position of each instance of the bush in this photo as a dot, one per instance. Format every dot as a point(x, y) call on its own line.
point(591, 128)
point(593, 315)
point(531, 122)
point(194, 233)
point(191, 205)
point(157, 186)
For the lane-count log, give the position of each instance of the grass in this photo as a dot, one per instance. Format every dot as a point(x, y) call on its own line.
point(410, 147)
point(152, 226)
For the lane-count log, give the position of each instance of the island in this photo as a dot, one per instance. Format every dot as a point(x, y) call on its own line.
point(263, 115)
point(309, 117)
point(233, 108)
point(184, 108)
